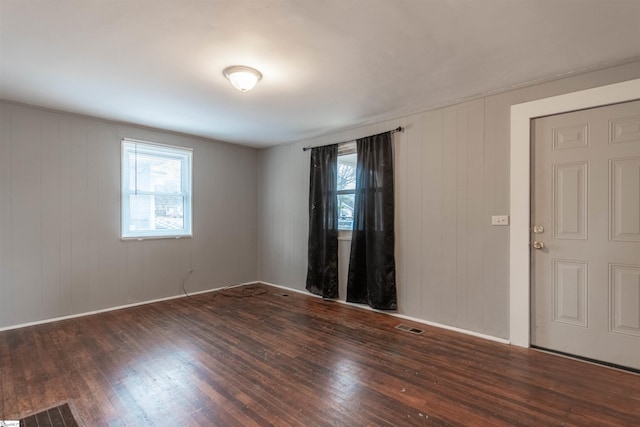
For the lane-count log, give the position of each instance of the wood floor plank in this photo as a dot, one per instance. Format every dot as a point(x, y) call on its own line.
point(251, 356)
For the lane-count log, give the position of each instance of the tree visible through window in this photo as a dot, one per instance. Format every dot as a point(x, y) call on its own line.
point(156, 190)
point(346, 185)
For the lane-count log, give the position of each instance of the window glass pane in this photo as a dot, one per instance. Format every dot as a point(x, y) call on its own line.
point(141, 217)
point(347, 172)
point(152, 173)
point(346, 184)
point(169, 212)
point(156, 190)
point(156, 212)
point(345, 211)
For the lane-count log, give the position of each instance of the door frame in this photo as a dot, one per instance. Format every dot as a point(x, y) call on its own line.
point(520, 197)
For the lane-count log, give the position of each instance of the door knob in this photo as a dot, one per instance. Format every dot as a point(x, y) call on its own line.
point(538, 245)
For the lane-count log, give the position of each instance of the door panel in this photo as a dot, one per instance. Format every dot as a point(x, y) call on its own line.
point(625, 206)
point(570, 201)
point(585, 280)
point(624, 130)
point(625, 295)
point(570, 292)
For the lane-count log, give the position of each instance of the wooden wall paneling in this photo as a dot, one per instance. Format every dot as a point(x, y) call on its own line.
point(264, 213)
point(221, 210)
point(496, 244)
point(250, 236)
point(284, 215)
point(472, 271)
point(26, 217)
point(50, 161)
point(413, 218)
point(65, 225)
point(289, 216)
point(6, 225)
point(159, 272)
point(183, 265)
point(462, 215)
point(109, 291)
point(280, 219)
point(61, 251)
point(283, 227)
point(259, 210)
point(265, 191)
point(205, 214)
point(272, 222)
point(401, 161)
point(476, 218)
point(93, 216)
point(449, 227)
point(298, 206)
point(432, 281)
point(272, 185)
point(245, 211)
point(276, 223)
point(247, 245)
point(278, 185)
point(80, 220)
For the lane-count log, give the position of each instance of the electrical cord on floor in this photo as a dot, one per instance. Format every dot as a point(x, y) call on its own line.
point(246, 291)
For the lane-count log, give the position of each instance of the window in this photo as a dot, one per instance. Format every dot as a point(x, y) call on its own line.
point(346, 185)
point(156, 190)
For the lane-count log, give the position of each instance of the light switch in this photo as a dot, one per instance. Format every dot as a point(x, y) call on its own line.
point(500, 220)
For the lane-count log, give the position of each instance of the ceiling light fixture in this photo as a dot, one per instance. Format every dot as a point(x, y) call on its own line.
point(242, 78)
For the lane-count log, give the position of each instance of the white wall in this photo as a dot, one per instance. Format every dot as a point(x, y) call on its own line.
point(452, 175)
point(60, 251)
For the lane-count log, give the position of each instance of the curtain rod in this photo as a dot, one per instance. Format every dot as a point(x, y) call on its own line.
point(398, 129)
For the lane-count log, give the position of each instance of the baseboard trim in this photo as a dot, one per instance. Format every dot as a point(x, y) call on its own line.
point(309, 294)
point(364, 307)
point(120, 307)
point(450, 328)
point(401, 316)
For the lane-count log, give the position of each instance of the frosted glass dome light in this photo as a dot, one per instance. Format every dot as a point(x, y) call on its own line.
point(242, 78)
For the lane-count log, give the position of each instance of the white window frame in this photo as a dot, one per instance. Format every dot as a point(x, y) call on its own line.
point(185, 155)
point(345, 149)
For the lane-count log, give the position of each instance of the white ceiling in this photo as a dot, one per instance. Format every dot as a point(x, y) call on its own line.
point(328, 65)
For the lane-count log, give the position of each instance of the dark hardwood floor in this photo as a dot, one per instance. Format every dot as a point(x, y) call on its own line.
point(294, 360)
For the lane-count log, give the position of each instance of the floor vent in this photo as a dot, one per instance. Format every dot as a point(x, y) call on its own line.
point(408, 328)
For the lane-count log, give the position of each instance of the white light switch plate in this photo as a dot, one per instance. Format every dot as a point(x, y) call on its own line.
point(500, 220)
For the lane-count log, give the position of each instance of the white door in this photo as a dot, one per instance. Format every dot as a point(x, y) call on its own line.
point(585, 234)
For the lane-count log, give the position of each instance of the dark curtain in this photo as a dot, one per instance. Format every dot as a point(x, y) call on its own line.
point(322, 272)
point(372, 266)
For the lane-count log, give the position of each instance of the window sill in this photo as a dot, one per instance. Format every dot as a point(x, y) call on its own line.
point(137, 239)
point(344, 235)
